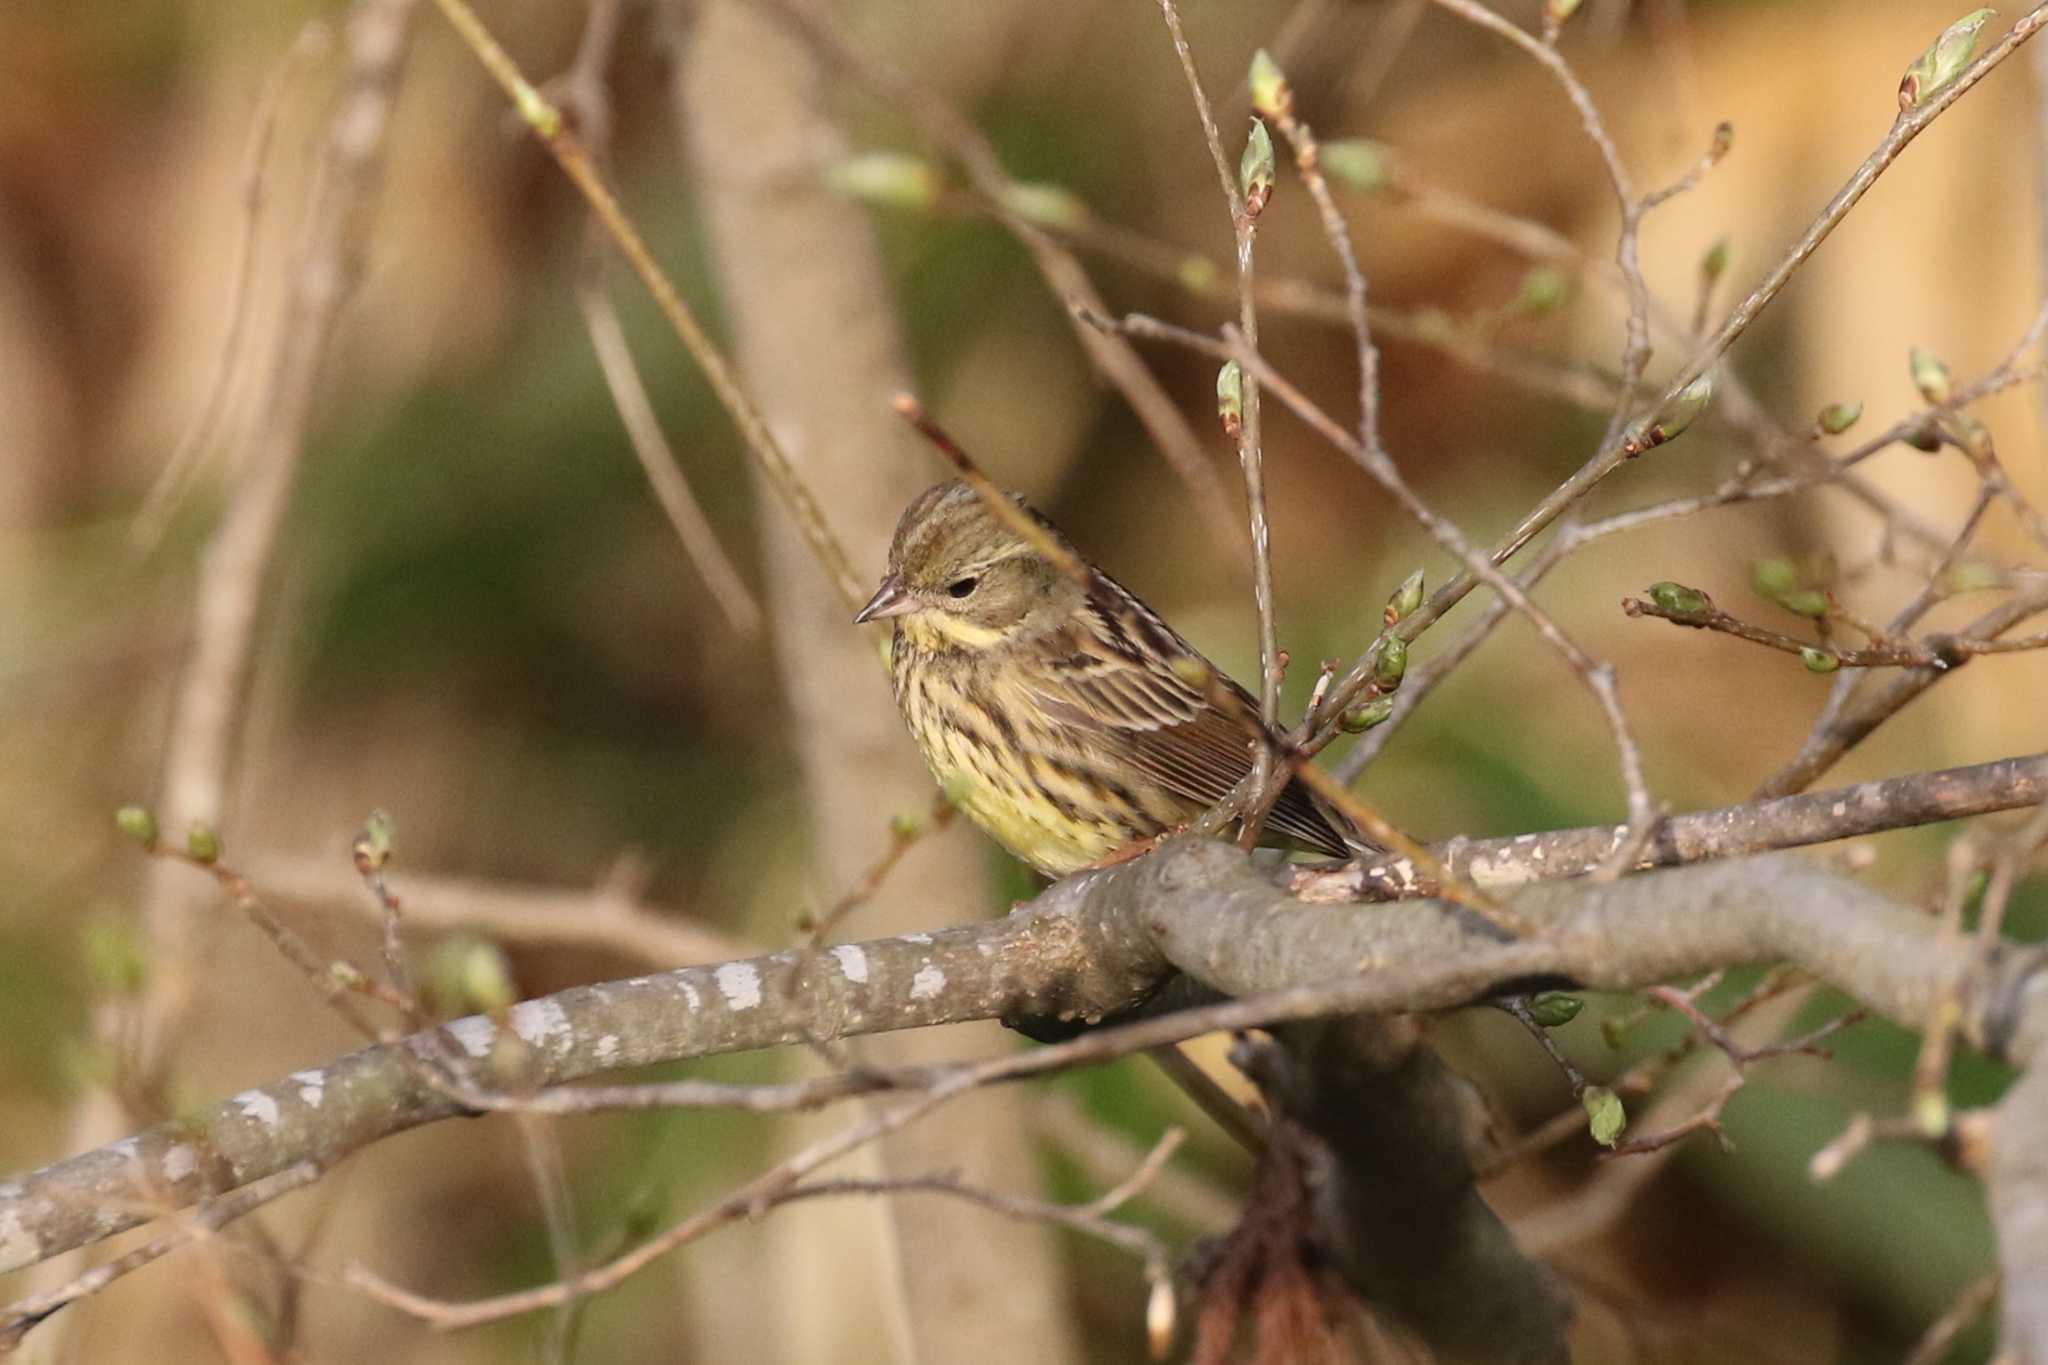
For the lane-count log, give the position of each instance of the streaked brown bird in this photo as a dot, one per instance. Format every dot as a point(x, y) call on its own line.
point(1054, 714)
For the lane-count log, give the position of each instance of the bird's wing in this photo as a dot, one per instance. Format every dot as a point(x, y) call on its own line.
point(1115, 680)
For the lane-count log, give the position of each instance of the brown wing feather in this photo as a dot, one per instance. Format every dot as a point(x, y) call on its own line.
point(1111, 682)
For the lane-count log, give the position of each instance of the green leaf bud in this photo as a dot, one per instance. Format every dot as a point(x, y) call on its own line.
point(487, 985)
point(1406, 598)
point(116, 955)
point(1677, 597)
point(1671, 421)
point(1271, 95)
point(1943, 61)
point(1557, 12)
point(372, 846)
point(1391, 663)
point(1553, 1009)
point(1255, 174)
point(890, 179)
point(1197, 274)
point(202, 843)
point(1356, 720)
point(1052, 206)
point(1818, 660)
point(1544, 290)
point(1230, 398)
point(1837, 418)
point(1930, 376)
point(1357, 162)
point(1811, 603)
point(1773, 578)
point(137, 823)
point(1605, 1116)
point(1714, 264)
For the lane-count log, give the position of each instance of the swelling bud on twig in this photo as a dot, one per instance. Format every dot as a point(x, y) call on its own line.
point(202, 843)
point(1544, 290)
point(1053, 206)
point(1671, 421)
point(116, 956)
point(487, 979)
point(1943, 61)
point(1773, 578)
point(1931, 377)
point(1357, 162)
point(1197, 274)
point(1553, 1009)
point(1677, 597)
point(891, 179)
point(1818, 660)
point(1837, 418)
point(1160, 1313)
point(1272, 96)
point(1556, 13)
point(1605, 1117)
point(372, 846)
point(1405, 600)
point(1808, 602)
point(1714, 264)
point(1391, 664)
point(1230, 398)
point(1924, 437)
point(137, 823)
point(1255, 170)
point(1973, 436)
point(1356, 720)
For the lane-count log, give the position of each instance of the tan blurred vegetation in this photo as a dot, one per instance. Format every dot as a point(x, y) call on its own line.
point(479, 621)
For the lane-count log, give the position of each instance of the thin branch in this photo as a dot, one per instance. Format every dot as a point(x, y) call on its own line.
point(1972, 1303)
point(1878, 699)
point(196, 1225)
point(1064, 275)
point(314, 40)
point(607, 919)
point(546, 123)
point(1935, 652)
point(1244, 226)
point(657, 460)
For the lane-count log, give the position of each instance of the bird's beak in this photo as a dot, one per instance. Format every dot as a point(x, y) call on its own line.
point(889, 600)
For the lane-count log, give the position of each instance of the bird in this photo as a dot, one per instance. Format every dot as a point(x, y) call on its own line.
point(1062, 714)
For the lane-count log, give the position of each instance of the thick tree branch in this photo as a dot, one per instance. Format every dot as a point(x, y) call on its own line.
point(1088, 947)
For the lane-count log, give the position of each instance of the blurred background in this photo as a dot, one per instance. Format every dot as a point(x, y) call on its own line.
point(477, 618)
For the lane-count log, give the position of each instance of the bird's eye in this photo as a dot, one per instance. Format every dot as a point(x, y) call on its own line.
point(962, 587)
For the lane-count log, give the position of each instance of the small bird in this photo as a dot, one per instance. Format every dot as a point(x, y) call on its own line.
point(1054, 714)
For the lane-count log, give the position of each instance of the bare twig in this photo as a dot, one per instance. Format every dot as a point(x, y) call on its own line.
point(1975, 1299)
point(1064, 274)
point(201, 1222)
point(902, 836)
point(547, 124)
point(1244, 226)
point(657, 460)
point(607, 919)
point(313, 41)
point(1935, 652)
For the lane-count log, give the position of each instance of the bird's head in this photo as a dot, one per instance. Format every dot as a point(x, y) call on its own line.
point(960, 578)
